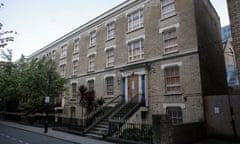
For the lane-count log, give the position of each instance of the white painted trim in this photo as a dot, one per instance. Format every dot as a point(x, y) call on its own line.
point(169, 27)
point(75, 59)
point(109, 75)
point(171, 64)
point(126, 89)
point(92, 53)
point(140, 85)
point(146, 90)
point(62, 63)
point(74, 81)
point(134, 9)
point(140, 72)
point(92, 30)
point(91, 78)
point(181, 105)
point(110, 47)
point(114, 19)
point(136, 38)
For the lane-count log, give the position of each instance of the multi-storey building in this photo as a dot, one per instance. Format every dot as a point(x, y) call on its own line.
point(226, 33)
point(164, 51)
point(234, 14)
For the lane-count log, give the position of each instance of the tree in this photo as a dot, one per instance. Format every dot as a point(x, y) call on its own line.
point(5, 35)
point(82, 92)
point(27, 83)
point(91, 104)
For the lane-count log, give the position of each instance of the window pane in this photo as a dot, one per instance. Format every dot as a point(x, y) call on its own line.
point(175, 114)
point(74, 90)
point(92, 38)
point(91, 65)
point(135, 20)
point(168, 8)
point(76, 45)
point(110, 58)
point(111, 30)
point(170, 40)
point(135, 50)
point(172, 79)
point(91, 84)
point(109, 86)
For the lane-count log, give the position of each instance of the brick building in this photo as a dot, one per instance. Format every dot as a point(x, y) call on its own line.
point(163, 51)
point(234, 14)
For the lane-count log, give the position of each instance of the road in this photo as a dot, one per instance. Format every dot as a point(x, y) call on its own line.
point(9, 135)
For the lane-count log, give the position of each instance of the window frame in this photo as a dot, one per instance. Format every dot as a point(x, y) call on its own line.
point(74, 91)
point(75, 67)
point(91, 84)
point(166, 14)
point(111, 30)
point(176, 85)
point(168, 36)
point(63, 70)
point(110, 59)
point(91, 63)
point(76, 46)
point(175, 114)
point(64, 51)
point(93, 38)
point(136, 20)
point(135, 52)
point(109, 86)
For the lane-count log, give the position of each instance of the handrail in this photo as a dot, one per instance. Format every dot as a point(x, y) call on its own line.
point(104, 115)
point(133, 100)
point(104, 106)
point(117, 123)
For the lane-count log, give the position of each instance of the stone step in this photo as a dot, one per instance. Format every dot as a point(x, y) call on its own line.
point(100, 129)
point(94, 135)
point(97, 132)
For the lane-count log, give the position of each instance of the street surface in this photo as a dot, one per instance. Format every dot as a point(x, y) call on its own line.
point(9, 135)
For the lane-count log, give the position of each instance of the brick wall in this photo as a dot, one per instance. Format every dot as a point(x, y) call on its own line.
point(234, 13)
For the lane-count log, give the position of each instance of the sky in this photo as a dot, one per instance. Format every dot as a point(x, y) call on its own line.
point(40, 22)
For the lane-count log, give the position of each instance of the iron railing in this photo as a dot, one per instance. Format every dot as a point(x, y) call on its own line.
point(139, 132)
point(103, 112)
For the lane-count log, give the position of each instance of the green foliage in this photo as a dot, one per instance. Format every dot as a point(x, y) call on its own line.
point(88, 99)
point(27, 83)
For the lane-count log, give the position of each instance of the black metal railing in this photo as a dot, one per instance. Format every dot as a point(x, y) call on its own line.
point(139, 132)
point(134, 104)
point(102, 112)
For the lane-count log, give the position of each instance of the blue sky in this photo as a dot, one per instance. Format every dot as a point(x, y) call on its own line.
point(40, 22)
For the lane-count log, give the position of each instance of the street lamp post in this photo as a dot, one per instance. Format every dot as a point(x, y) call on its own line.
point(47, 101)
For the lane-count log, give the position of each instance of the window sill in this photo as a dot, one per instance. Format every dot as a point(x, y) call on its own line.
point(92, 46)
point(137, 29)
point(91, 71)
point(136, 60)
point(74, 53)
point(63, 57)
point(171, 52)
point(167, 17)
point(173, 94)
point(109, 67)
point(110, 39)
point(74, 75)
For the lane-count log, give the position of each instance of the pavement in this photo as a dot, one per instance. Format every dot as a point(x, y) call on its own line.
point(85, 140)
point(55, 134)
point(216, 141)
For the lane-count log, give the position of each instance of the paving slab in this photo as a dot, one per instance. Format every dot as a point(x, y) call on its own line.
point(55, 134)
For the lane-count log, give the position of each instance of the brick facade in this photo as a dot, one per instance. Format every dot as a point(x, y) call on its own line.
point(153, 57)
point(234, 13)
